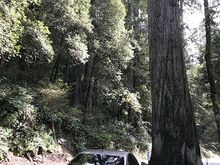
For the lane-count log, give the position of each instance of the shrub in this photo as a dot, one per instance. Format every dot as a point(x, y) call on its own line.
point(4, 147)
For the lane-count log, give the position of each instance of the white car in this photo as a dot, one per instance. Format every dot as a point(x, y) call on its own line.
point(211, 161)
point(104, 157)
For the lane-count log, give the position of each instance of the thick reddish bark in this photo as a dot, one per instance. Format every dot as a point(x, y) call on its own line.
point(174, 138)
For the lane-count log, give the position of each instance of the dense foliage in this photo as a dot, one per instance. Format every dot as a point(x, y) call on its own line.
point(66, 73)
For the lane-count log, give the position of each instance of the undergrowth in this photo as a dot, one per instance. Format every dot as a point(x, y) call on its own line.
point(42, 117)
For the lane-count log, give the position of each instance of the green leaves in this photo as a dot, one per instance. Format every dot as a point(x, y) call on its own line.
point(12, 15)
point(36, 43)
point(132, 99)
point(64, 15)
point(77, 49)
point(4, 147)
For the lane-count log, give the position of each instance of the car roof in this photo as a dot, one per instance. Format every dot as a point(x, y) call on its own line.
point(105, 152)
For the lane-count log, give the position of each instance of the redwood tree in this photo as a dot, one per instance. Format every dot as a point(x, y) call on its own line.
point(175, 140)
point(209, 66)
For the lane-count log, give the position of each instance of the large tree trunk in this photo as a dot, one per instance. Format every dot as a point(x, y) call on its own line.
point(209, 66)
point(175, 139)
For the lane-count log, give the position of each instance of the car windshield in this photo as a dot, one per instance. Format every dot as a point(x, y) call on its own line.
point(92, 159)
point(112, 160)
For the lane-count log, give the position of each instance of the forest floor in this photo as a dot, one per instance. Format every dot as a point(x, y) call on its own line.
point(52, 159)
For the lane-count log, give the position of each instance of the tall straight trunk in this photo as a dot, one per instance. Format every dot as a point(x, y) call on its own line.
point(174, 135)
point(132, 23)
point(208, 57)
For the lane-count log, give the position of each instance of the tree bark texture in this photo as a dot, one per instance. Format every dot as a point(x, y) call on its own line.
point(209, 66)
point(174, 138)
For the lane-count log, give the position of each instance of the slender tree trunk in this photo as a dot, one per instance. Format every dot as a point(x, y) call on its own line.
point(131, 75)
point(130, 79)
point(119, 113)
point(89, 84)
point(87, 98)
point(2, 63)
point(76, 87)
point(89, 94)
point(53, 76)
point(174, 135)
point(55, 68)
point(88, 78)
point(208, 57)
point(74, 77)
